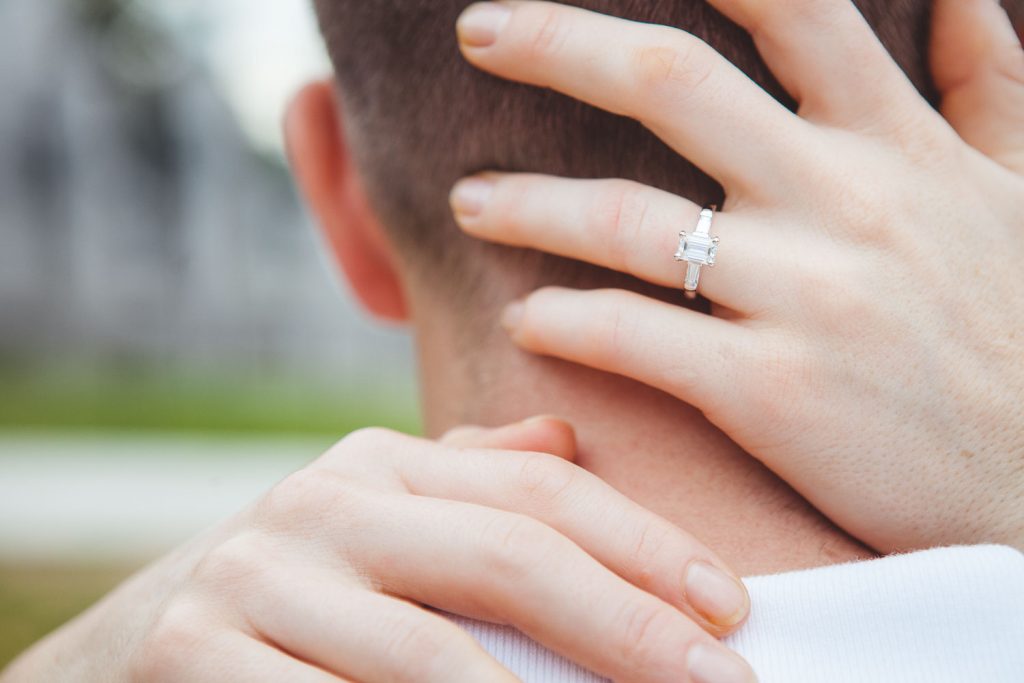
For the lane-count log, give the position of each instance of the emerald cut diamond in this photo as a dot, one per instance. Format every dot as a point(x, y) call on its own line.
point(697, 249)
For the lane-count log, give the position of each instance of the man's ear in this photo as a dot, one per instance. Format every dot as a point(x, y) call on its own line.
point(327, 176)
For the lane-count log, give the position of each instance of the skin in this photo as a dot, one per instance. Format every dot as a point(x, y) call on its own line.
point(643, 442)
point(866, 342)
point(293, 589)
point(321, 579)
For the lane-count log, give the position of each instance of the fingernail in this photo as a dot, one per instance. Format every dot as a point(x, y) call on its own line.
point(470, 196)
point(481, 23)
point(719, 597)
point(512, 316)
point(715, 664)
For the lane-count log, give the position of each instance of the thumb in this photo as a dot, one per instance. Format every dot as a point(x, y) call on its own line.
point(978, 66)
point(542, 434)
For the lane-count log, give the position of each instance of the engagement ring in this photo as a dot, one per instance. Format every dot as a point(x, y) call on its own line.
point(697, 248)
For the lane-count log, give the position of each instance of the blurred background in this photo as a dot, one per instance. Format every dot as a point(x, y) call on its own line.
point(172, 339)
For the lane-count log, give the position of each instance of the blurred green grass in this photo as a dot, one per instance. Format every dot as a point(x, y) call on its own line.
point(35, 600)
point(217, 403)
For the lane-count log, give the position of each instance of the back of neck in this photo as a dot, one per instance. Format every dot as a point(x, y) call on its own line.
point(658, 451)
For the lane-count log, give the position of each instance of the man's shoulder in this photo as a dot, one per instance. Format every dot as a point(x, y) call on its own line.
point(946, 614)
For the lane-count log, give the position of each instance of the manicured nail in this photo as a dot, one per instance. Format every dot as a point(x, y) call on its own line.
point(512, 316)
point(719, 597)
point(715, 664)
point(469, 196)
point(481, 23)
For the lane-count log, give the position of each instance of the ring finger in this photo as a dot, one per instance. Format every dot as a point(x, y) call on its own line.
point(621, 225)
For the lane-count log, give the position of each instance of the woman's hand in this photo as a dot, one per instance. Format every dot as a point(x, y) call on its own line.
point(322, 580)
point(867, 341)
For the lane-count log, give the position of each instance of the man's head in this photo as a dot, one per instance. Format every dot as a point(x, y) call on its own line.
point(416, 117)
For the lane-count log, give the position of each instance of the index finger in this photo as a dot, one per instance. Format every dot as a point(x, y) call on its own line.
point(669, 80)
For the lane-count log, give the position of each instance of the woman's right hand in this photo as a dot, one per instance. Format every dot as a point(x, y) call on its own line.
point(324, 577)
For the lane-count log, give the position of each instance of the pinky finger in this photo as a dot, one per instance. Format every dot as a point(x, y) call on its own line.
point(695, 357)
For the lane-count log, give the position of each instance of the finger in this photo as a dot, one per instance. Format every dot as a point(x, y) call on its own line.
point(541, 434)
point(978, 65)
point(617, 224)
point(512, 569)
point(233, 657)
point(635, 336)
point(365, 635)
point(674, 83)
point(633, 542)
point(828, 57)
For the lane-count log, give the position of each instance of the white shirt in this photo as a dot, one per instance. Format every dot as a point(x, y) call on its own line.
point(948, 614)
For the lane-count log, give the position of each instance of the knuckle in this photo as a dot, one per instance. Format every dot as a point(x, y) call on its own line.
point(619, 333)
point(302, 499)
point(236, 562)
point(622, 216)
point(547, 34)
point(674, 64)
point(924, 142)
point(651, 541)
point(365, 454)
point(364, 441)
point(862, 210)
point(173, 638)
point(512, 543)
point(837, 293)
point(546, 480)
point(646, 626)
point(416, 646)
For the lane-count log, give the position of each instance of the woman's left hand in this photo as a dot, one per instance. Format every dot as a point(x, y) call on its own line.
point(867, 336)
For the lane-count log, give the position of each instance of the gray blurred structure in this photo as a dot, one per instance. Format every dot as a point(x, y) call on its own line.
point(138, 226)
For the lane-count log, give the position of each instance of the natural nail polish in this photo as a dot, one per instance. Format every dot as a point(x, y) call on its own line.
point(481, 23)
point(719, 597)
point(708, 663)
point(470, 196)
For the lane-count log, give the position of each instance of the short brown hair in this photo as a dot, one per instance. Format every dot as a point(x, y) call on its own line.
point(419, 117)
